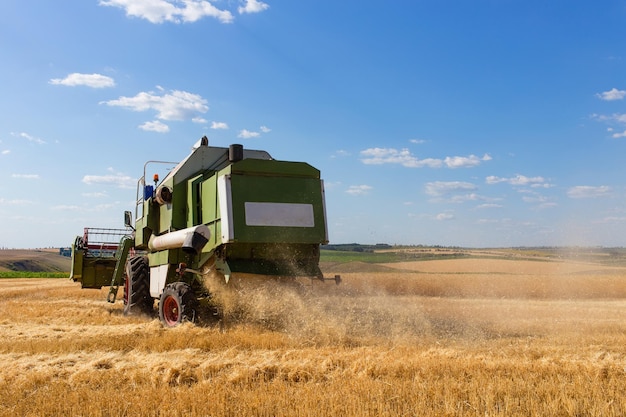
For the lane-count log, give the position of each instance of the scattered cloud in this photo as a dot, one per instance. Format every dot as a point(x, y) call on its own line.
point(219, 125)
point(615, 117)
point(97, 194)
point(465, 161)
point(417, 141)
point(88, 80)
point(5, 152)
point(452, 191)
point(66, 207)
point(440, 188)
point(29, 138)
point(15, 202)
point(358, 189)
point(519, 180)
point(85, 208)
point(611, 219)
point(611, 95)
point(199, 120)
point(535, 199)
point(444, 216)
point(26, 176)
point(115, 179)
point(252, 6)
point(175, 105)
point(489, 205)
point(588, 191)
point(247, 134)
point(155, 126)
point(159, 11)
point(379, 156)
point(340, 154)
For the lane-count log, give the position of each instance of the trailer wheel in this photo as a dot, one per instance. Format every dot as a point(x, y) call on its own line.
point(177, 304)
point(137, 299)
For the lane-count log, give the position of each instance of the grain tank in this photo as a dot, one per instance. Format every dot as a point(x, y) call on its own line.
point(219, 211)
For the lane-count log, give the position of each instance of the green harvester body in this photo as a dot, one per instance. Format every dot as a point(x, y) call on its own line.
point(226, 210)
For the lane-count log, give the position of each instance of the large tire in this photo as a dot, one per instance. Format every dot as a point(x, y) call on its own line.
point(137, 299)
point(178, 304)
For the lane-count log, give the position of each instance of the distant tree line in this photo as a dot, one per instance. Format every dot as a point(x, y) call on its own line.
point(356, 247)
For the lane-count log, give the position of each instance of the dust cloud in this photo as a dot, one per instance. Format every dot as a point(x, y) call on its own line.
point(411, 307)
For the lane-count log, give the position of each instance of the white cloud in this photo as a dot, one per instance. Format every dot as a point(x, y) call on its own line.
point(88, 80)
point(535, 198)
point(97, 194)
point(265, 129)
point(440, 188)
point(518, 180)
point(117, 180)
point(219, 125)
point(341, 153)
point(199, 120)
point(444, 216)
point(489, 205)
point(29, 138)
point(379, 156)
point(619, 135)
point(159, 11)
point(66, 207)
point(455, 192)
point(15, 202)
point(465, 161)
point(26, 176)
point(615, 117)
point(155, 126)
point(175, 105)
point(611, 95)
point(252, 6)
point(612, 219)
point(246, 134)
point(5, 152)
point(417, 141)
point(588, 191)
point(358, 189)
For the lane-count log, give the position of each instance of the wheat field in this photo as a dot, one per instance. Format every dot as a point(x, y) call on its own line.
point(471, 337)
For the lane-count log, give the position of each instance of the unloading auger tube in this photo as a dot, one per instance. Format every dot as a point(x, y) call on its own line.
point(219, 210)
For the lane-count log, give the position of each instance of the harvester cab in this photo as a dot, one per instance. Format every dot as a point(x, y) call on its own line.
point(219, 212)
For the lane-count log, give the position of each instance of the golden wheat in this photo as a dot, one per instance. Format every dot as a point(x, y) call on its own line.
point(430, 340)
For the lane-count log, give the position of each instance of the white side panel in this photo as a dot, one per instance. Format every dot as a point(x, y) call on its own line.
point(224, 193)
point(158, 276)
point(279, 214)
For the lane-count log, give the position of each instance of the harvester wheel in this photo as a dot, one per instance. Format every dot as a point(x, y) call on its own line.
point(137, 299)
point(178, 304)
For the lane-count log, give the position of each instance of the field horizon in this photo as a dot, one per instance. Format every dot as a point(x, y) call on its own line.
point(367, 256)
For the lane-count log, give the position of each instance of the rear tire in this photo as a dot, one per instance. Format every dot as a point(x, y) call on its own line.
point(137, 299)
point(178, 304)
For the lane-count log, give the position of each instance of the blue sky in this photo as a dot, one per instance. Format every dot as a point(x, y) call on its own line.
point(484, 123)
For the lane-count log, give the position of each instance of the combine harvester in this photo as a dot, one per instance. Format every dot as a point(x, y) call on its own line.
point(220, 211)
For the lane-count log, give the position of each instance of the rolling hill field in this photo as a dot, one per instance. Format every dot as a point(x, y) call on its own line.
point(456, 336)
point(33, 260)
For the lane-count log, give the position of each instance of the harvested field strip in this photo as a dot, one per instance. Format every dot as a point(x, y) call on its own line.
point(492, 342)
